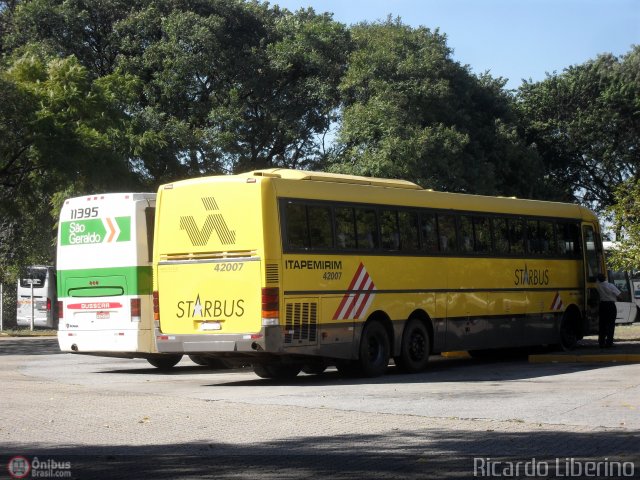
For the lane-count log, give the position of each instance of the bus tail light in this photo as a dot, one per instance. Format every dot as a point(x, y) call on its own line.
point(156, 305)
point(48, 304)
point(270, 306)
point(60, 309)
point(135, 309)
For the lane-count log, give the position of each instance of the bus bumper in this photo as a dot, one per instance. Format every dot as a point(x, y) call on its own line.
point(268, 339)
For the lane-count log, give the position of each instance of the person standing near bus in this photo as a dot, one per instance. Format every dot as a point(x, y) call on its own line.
point(609, 293)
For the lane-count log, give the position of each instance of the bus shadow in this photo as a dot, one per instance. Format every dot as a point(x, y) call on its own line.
point(175, 371)
point(450, 370)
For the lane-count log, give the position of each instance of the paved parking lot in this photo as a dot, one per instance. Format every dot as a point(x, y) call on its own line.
point(109, 417)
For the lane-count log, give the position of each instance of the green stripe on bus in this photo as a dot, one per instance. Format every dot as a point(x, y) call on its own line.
point(92, 231)
point(132, 280)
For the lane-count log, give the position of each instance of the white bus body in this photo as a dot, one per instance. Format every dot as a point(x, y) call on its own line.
point(43, 280)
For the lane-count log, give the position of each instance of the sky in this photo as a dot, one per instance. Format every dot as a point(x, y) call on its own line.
point(513, 39)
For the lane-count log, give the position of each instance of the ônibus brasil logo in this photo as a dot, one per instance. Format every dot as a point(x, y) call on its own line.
point(199, 237)
point(95, 230)
point(19, 467)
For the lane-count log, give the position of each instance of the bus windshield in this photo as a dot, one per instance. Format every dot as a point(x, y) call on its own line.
point(35, 276)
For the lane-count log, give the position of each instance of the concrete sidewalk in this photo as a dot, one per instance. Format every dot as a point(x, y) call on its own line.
point(626, 349)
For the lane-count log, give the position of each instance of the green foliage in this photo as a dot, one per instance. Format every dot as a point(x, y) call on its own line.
point(232, 86)
point(584, 123)
point(626, 214)
point(411, 112)
point(58, 129)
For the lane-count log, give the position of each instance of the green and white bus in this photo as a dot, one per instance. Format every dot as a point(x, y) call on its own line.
point(104, 259)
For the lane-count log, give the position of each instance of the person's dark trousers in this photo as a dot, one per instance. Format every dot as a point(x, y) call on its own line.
point(607, 323)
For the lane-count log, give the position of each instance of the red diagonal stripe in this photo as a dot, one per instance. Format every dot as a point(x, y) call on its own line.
point(349, 288)
point(555, 299)
point(361, 286)
point(364, 301)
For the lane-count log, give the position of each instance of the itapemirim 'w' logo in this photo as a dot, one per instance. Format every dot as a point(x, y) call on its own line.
point(199, 237)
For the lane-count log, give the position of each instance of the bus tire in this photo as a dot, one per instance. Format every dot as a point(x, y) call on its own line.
point(276, 371)
point(374, 350)
point(568, 332)
point(164, 362)
point(415, 347)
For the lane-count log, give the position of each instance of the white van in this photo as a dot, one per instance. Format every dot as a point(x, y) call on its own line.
point(36, 296)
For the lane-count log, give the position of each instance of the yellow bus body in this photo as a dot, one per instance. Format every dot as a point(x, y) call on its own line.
point(219, 251)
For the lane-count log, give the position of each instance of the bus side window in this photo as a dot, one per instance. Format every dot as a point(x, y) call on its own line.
point(593, 252)
point(533, 238)
point(429, 232)
point(320, 227)
point(568, 242)
point(345, 227)
point(466, 233)
point(389, 230)
point(366, 229)
point(500, 235)
point(408, 222)
point(447, 233)
point(297, 230)
point(481, 235)
point(149, 214)
point(516, 236)
point(546, 237)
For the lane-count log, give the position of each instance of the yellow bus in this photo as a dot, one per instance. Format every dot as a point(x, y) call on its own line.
point(291, 270)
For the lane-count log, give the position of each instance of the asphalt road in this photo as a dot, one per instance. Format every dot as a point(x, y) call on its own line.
point(116, 418)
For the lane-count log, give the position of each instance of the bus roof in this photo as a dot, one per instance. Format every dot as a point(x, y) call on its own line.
point(331, 177)
point(111, 197)
point(399, 192)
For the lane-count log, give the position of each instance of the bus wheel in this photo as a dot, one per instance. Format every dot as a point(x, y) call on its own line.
point(568, 333)
point(164, 362)
point(276, 371)
point(415, 348)
point(374, 350)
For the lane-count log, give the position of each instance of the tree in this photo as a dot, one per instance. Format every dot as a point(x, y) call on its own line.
point(232, 86)
point(80, 28)
point(410, 111)
point(626, 215)
point(59, 131)
point(584, 124)
point(56, 120)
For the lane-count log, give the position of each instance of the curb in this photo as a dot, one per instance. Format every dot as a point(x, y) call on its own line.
point(460, 354)
point(595, 358)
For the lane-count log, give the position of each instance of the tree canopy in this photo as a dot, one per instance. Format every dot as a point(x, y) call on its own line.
point(410, 111)
point(585, 125)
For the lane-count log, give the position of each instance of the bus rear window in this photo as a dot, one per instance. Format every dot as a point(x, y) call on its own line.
point(35, 276)
point(96, 292)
